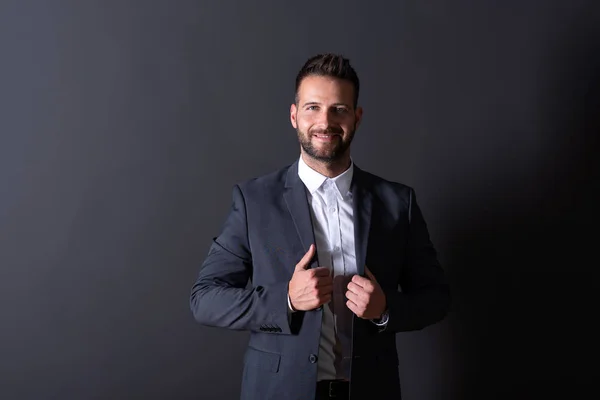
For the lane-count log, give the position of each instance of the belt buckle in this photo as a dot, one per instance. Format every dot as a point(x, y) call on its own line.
point(331, 391)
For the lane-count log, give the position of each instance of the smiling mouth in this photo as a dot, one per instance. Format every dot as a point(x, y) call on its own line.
point(325, 137)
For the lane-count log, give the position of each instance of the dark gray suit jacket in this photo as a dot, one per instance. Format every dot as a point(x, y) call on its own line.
point(266, 233)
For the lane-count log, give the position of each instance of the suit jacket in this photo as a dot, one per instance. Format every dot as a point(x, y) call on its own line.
point(267, 232)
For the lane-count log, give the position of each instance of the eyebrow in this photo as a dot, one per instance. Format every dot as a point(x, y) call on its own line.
point(313, 103)
point(310, 103)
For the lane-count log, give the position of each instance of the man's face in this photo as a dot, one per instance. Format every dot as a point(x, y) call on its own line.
point(324, 117)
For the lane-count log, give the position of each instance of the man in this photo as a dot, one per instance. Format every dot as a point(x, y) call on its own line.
point(339, 260)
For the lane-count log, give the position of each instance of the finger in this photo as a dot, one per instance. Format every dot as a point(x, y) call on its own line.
point(352, 306)
point(353, 287)
point(326, 298)
point(362, 291)
point(323, 281)
point(353, 297)
point(303, 263)
point(321, 271)
point(358, 297)
point(360, 281)
point(325, 288)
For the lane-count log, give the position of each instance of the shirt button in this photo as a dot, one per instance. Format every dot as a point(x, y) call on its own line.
point(337, 248)
point(332, 209)
point(313, 358)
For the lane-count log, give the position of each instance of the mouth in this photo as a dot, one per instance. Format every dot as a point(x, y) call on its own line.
point(326, 137)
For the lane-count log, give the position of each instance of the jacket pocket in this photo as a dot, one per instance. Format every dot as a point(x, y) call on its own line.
point(262, 359)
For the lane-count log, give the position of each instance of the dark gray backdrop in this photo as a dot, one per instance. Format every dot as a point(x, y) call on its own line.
point(125, 123)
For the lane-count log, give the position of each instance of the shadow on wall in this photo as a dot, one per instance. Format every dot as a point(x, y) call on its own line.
point(522, 268)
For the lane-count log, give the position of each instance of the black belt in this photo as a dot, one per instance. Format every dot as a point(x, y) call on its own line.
point(332, 389)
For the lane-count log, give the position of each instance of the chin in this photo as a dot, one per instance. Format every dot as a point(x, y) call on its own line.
point(326, 153)
point(328, 156)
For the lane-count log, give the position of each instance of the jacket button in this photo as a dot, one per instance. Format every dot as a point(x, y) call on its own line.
point(313, 358)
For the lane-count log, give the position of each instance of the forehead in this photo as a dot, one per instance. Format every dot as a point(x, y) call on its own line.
point(325, 89)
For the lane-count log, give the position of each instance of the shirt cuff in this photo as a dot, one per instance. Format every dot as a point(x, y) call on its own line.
point(290, 308)
point(383, 320)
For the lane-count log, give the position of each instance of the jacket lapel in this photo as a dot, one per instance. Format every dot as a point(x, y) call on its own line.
point(297, 203)
point(361, 204)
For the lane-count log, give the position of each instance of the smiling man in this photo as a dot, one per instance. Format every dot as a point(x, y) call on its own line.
point(353, 265)
point(326, 116)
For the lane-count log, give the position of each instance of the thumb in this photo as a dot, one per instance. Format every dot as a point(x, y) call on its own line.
point(303, 263)
point(370, 274)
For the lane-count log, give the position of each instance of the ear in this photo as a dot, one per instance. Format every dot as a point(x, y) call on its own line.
point(358, 113)
point(293, 112)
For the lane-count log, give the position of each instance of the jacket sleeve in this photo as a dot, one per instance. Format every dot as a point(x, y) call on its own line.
point(424, 296)
point(221, 297)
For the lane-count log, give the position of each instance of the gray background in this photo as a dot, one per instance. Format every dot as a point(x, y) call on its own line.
point(124, 125)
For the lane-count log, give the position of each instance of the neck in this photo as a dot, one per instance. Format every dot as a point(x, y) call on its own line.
point(329, 169)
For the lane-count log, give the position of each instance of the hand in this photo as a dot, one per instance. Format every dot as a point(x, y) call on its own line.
point(309, 288)
point(365, 297)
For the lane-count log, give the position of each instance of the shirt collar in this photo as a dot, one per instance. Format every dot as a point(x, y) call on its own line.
point(313, 180)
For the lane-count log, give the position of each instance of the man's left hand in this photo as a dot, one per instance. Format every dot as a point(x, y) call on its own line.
point(365, 297)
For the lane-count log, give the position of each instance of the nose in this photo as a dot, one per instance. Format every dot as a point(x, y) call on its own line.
point(327, 118)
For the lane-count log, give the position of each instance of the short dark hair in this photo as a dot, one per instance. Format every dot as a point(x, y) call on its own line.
point(328, 64)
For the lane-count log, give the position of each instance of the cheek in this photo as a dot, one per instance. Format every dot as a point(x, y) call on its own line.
point(348, 126)
point(304, 123)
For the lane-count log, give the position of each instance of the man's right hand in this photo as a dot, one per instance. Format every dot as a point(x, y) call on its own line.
point(309, 288)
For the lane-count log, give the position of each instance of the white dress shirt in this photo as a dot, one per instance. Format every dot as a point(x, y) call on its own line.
point(331, 209)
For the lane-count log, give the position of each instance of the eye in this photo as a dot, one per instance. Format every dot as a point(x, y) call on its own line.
point(341, 110)
point(312, 108)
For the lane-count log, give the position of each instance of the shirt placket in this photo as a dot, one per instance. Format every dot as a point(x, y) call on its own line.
point(334, 228)
point(341, 313)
